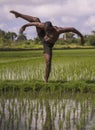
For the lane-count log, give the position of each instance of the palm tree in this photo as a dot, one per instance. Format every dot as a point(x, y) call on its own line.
point(10, 36)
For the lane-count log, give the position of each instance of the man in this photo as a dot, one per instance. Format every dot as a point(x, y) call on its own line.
point(48, 34)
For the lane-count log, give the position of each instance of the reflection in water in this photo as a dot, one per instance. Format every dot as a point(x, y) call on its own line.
point(48, 120)
point(28, 112)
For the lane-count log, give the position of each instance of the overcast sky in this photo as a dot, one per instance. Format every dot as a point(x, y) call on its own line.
point(65, 13)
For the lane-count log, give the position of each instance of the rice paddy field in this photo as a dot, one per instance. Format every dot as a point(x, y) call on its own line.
point(68, 67)
point(67, 102)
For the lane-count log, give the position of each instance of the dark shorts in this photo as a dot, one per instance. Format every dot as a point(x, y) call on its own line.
point(47, 47)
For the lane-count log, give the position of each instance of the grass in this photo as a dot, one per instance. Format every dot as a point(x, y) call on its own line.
point(37, 86)
point(72, 70)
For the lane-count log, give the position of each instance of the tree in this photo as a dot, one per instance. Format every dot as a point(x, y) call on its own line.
point(69, 38)
point(37, 40)
point(90, 39)
point(2, 35)
point(13, 36)
point(21, 37)
point(10, 36)
point(68, 35)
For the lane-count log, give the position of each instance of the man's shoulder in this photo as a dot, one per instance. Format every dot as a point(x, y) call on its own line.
point(57, 28)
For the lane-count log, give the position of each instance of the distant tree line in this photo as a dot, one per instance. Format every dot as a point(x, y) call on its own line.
point(69, 38)
point(8, 38)
point(11, 36)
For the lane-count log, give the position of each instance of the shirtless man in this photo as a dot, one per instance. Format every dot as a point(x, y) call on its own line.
point(48, 34)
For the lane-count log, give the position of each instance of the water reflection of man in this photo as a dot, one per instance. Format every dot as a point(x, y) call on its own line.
point(48, 125)
point(48, 34)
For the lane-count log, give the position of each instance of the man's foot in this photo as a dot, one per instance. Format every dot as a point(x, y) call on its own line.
point(15, 13)
point(22, 29)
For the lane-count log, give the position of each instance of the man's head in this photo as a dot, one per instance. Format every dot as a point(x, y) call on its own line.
point(48, 26)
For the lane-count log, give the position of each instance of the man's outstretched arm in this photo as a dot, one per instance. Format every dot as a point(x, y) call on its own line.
point(36, 24)
point(71, 29)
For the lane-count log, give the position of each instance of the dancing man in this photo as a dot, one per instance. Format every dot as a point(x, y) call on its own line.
point(48, 34)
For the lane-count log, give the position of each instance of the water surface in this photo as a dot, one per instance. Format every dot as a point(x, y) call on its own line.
point(47, 111)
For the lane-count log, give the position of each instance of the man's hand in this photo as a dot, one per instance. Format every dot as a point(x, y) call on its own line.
point(22, 29)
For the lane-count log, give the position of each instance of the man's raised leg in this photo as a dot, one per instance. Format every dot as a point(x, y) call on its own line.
point(26, 17)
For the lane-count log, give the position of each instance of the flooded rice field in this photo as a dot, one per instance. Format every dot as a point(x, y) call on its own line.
point(47, 111)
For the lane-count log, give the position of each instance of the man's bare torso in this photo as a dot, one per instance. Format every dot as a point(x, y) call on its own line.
point(52, 36)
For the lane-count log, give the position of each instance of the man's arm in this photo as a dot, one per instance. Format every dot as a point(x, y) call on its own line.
point(36, 24)
point(71, 29)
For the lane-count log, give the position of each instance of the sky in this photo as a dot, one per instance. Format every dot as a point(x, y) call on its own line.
point(63, 13)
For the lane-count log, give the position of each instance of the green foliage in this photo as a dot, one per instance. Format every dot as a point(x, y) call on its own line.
point(37, 40)
point(12, 40)
point(38, 85)
point(68, 38)
point(21, 37)
point(61, 41)
point(90, 40)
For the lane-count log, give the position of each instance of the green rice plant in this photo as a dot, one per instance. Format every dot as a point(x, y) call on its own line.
point(66, 66)
point(74, 70)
